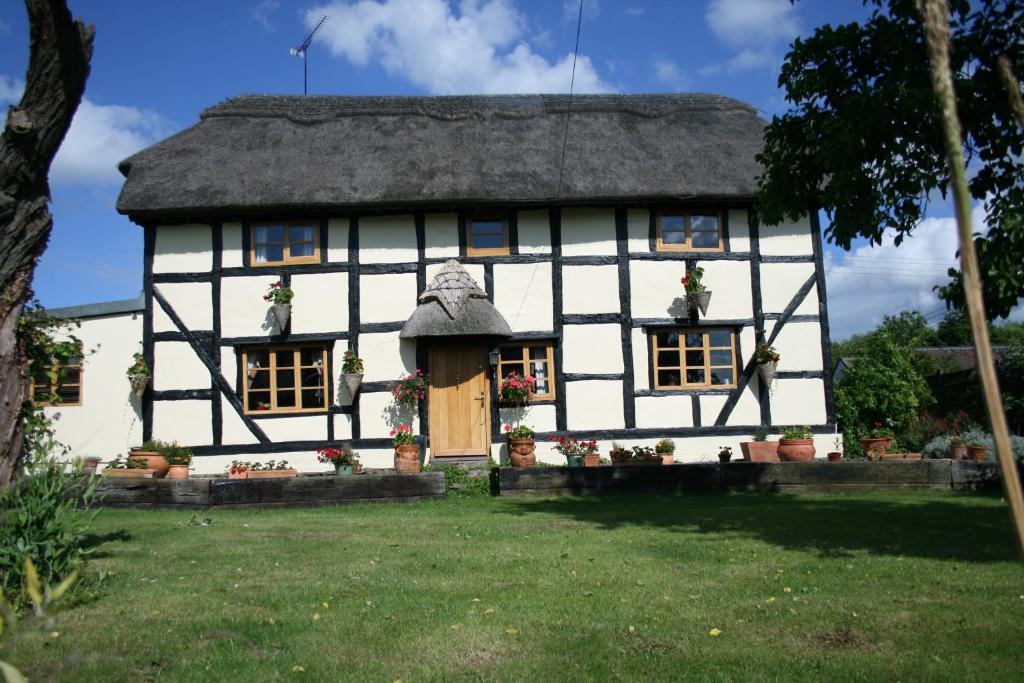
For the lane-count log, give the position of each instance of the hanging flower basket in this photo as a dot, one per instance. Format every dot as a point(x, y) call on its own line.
point(139, 384)
point(351, 372)
point(699, 300)
point(766, 371)
point(352, 382)
point(282, 314)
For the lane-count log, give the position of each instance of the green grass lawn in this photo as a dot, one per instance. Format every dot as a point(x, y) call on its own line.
point(893, 586)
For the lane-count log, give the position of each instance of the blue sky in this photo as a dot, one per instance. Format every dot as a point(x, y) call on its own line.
point(158, 64)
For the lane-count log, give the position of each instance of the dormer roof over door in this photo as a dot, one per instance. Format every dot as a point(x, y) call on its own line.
point(259, 154)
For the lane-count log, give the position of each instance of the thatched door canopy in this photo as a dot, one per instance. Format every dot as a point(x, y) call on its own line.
point(453, 305)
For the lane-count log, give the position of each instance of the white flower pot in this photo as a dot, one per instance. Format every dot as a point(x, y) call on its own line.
point(766, 371)
point(282, 313)
point(700, 300)
point(139, 384)
point(352, 382)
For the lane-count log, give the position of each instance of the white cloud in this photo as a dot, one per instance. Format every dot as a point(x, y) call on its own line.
point(757, 23)
point(261, 13)
point(634, 11)
point(480, 48)
point(100, 136)
point(666, 71)
point(870, 282)
point(10, 90)
point(756, 29)
point(571, 10)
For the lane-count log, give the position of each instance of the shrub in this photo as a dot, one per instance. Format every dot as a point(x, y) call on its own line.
point(797, 433)
point(45, 517)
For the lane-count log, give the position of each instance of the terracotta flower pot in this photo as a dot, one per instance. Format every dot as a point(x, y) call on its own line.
point(667, 458)
point(796, 450)
point(271, 474)
point(130, 473)
point(834, 456)
point(760, 451)
point(901, 456)
point(152, 460)
point(700, 300)
point(178, 472)
point(89, 466)
point(521, 452)
point(282, 314)
point(407, 459)
point(958, 451)
point(238, 473)
point(881, 445)
point(591, 460)
point(977, 453)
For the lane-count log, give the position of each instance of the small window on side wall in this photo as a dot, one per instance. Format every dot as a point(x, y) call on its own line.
point(56, 384)
point(693, 358)
point(689, 231)
point(487, 236)
point(285, 379)
point(530, 359)
point(283, 243)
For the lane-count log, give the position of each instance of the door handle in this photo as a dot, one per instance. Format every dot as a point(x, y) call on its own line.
point(481, 399)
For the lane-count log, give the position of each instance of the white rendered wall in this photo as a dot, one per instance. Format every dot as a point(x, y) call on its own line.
point(386, 356)
point(787, 239)
point(522, 294)
point(590, 289)
point(386, 298)
point(387, 239)
point(231, 239)
point(638, 222)
point(798, 402)
point(183, 249)
point(233, 430)
point(297, 428)
point(441, 236)
point(176, 366)
point(588, 232)
point(655, 290)
point(320, 303)
point(654, 412)
point(337, 240)
point(781, 281)
point(799, 345)
point(191, 301)
point(243, 312)
point(729, 284)
point(594, 404)
point(739, 231)
point(592, 349)
point(641, 382)
point(187, 422)
point(534, 229)
point(109, 421)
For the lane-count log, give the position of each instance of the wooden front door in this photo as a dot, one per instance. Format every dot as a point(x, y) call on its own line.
point(460, 420)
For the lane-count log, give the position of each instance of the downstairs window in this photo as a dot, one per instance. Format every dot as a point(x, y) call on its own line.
point(285, 379)
point(693, 358)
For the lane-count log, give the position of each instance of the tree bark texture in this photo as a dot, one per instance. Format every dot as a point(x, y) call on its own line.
point(60, 51)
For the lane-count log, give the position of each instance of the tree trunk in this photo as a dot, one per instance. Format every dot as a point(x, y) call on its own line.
point(60, 51)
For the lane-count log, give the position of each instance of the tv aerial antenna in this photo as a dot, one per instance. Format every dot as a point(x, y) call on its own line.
point(303, 52)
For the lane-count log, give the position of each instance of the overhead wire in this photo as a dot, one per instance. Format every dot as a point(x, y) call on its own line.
point(568, 112)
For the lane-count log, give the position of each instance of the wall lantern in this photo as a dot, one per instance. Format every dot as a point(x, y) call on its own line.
point(493, 357)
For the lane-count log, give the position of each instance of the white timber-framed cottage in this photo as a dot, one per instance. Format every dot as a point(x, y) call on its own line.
point(567, 266)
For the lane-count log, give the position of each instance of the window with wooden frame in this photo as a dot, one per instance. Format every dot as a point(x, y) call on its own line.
point(56, 384)
point(275, 244)
point(530, 359)
point(486, 236)
point(694, 358)
point(689, 231)
point(285, 379)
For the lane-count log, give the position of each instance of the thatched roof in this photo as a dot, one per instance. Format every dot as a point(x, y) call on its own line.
point(454, 305)
point(257, 153)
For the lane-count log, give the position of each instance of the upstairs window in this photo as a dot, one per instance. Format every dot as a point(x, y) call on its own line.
point(682, 231)
point(487, 236)
point(276, 244)
point(285, 379)
point(694, 358)
point(57, 384)
point(530, 359)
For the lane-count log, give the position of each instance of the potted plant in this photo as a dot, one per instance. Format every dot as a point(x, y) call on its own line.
point(644, 455)
point(409, 390)
point(957, 447)
point(976, 451)
point(139, 374)
point(725, 454)
point(878, 441)
point(239, 469)
point(521, 446)
point(666, 448)
point(273, 469)
point(151, 455)
point(351, 372)
point(767, 360)
point(516, 389)
point(280, 298)
point(89, 465)
point(760, 449)
point(618, 453)
point(407, 450)
point(345, 461)
point(697, 295)
point(837, 454)
point(796, 445)
point(573, 450)
point(179, 458)
point(133, 469)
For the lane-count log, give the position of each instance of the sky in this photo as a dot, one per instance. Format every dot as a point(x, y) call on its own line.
point(157, 65)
